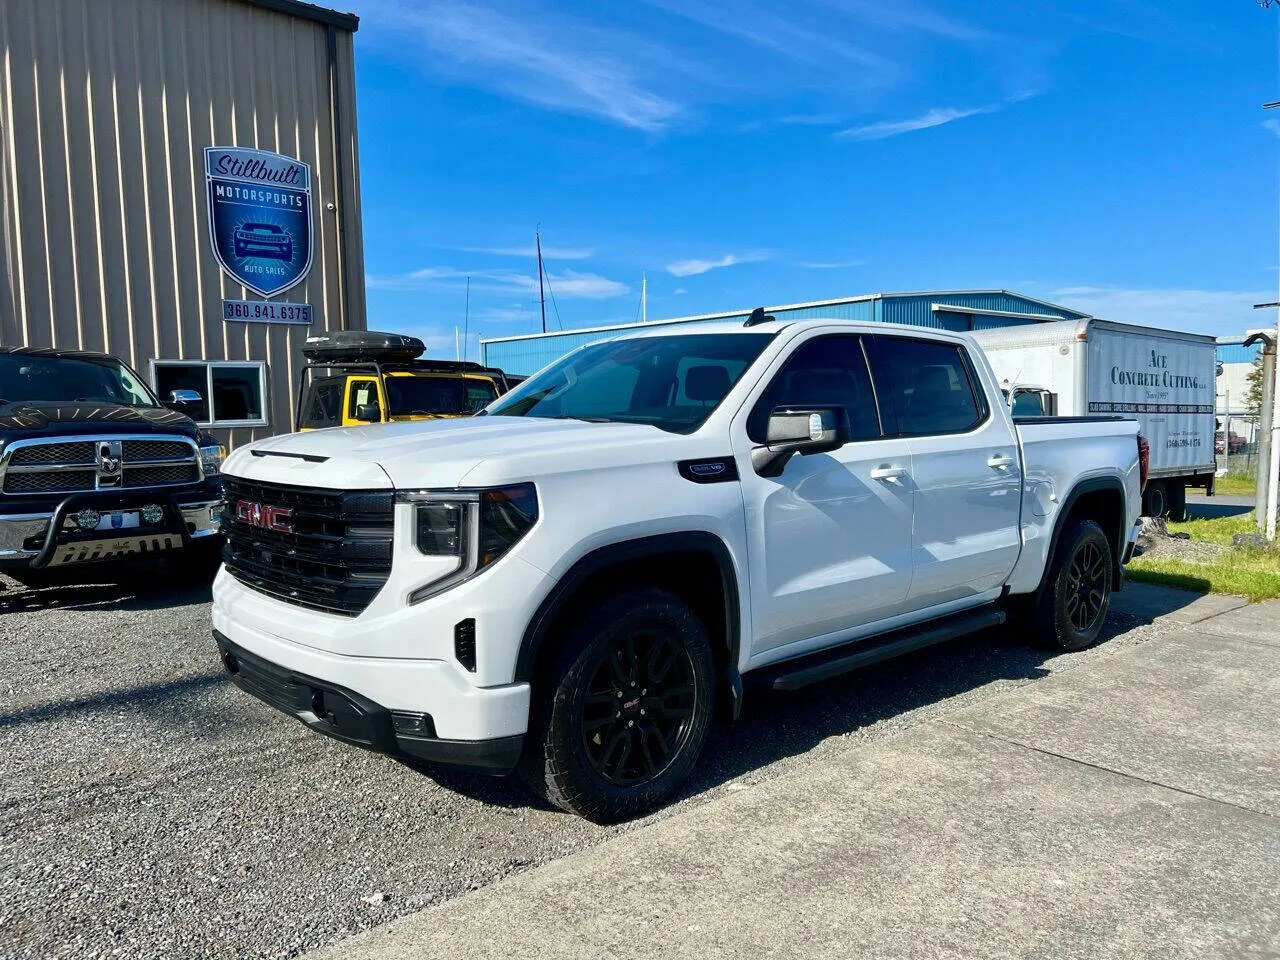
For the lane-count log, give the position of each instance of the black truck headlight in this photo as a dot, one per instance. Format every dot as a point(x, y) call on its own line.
point(476, 526)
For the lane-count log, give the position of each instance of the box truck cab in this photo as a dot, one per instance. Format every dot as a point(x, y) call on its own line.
point(356, 377)
point(1164, 379)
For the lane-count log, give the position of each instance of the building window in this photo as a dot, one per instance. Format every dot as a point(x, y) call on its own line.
point(232, 392)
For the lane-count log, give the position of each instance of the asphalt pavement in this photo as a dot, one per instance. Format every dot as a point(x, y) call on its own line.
point(150, 809)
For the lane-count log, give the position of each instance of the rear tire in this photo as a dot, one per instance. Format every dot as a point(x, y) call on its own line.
point(1155, 501)
point(624, 708)
point(1072, 607)
point(1177, 495)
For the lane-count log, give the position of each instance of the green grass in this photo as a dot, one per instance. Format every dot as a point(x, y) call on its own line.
point(1250, 573)
point(1236, 484)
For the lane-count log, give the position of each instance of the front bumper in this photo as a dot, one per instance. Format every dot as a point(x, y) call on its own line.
point(33, 537)
point(354, 718)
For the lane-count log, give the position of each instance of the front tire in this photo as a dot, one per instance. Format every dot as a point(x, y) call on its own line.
point(626, 707)
point(1072, 608)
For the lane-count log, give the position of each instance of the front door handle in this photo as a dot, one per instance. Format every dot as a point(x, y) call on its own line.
point(888, 473)
point(999, 461)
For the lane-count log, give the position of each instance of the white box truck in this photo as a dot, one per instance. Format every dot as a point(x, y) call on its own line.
point(1162, 378)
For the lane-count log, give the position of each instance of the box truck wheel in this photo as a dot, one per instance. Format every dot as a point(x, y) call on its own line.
point(1155, 501)
point(1177, 496)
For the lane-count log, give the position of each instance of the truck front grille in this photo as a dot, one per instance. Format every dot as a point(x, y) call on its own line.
point(56, 466)
point(332, 552)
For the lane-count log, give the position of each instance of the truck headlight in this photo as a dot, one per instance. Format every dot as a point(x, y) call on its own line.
point(476, 526)
point(211, 458)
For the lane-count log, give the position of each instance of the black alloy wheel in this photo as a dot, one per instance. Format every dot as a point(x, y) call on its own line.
point(622, 706)
point(1088, 575)
point(639, 707)
point(1071, 608)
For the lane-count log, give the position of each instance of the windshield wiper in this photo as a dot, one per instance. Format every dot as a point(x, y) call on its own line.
point(568, 416)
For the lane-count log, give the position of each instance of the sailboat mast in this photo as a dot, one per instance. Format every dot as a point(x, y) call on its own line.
point(542, 296)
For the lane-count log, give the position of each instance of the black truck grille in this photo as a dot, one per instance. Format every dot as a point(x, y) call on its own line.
point(335, 555)
point(71, 466)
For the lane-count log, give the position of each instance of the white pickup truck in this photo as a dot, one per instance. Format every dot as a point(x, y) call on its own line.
point(572, 584)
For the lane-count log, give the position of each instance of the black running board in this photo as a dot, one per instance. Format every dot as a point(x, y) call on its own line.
point(862, 653)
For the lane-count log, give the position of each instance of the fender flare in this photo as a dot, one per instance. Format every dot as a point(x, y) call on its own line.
point(625, 551)
point(1086, 486)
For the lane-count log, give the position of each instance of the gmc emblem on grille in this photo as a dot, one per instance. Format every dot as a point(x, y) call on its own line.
point(264, 517)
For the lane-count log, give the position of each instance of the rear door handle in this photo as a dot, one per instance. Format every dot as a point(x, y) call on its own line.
point(999, 461)
point(888, 473)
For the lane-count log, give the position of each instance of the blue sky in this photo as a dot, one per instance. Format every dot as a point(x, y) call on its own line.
point(743, 152)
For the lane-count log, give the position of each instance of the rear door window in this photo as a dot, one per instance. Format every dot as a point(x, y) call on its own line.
point(324, 404)
point(929, 386)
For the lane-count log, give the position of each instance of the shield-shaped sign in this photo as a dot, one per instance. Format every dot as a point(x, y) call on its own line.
point(259, 217)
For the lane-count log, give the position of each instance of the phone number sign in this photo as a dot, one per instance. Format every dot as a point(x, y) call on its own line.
point(258, 311)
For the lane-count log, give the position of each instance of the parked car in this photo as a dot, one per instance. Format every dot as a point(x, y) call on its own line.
point(356, 376)
point(94, 468)
point(571, 583)
point(1232, 444)
point(263, 240)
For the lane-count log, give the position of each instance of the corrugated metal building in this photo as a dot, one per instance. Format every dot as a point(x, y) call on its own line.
point(106, 110)
point(944, 309)
point(1236, 362)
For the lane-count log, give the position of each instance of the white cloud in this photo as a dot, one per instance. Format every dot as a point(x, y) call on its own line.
point(691, 268)
point(1273, 126)
point(550, 60)
point(933, 118)
point(1216, 312)
point(679, 292)
point(569, 285)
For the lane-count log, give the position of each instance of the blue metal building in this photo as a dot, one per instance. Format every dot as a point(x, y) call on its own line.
point(944, 309)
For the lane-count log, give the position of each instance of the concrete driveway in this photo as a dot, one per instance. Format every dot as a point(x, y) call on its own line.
point(1125, 809)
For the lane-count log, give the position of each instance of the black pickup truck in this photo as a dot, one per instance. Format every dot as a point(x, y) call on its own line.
point(94, 468)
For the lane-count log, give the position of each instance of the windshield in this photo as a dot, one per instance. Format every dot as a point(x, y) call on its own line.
point(25, 378)
point(671, 382)
point(437, 395)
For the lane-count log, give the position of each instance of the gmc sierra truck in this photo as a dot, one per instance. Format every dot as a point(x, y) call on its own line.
point(572, 583)
point(94, 468)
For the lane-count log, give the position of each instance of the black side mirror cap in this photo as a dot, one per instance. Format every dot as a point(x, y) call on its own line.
point(802, 430)
point(368, 413)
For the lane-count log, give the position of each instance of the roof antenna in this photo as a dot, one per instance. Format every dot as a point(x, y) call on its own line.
point(758, 316)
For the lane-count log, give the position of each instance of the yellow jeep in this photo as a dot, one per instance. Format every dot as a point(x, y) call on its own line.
point(378, 378)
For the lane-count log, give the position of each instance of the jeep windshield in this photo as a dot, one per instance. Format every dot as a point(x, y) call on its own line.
point(407, 396)
point(34, 379)
point(671, 382)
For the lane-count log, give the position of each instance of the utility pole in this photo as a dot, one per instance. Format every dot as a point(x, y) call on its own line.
point(1261, 509)
point(542, 296)
point(466, 322)
point(644, 298)
point(1273, 455)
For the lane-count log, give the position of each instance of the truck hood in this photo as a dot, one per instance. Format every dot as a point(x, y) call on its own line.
point(441, 453)
point(25, 421)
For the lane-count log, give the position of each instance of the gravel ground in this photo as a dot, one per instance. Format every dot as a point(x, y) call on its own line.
point(150, 809)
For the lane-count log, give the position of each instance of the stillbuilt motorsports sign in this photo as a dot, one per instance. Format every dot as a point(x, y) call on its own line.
point(259, 217)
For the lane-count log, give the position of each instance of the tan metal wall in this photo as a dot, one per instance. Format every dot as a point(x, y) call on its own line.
point(106, 107)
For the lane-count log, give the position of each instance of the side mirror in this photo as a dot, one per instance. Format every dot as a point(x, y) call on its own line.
point(368, 413)
point(803, 431)
point(179, 400)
